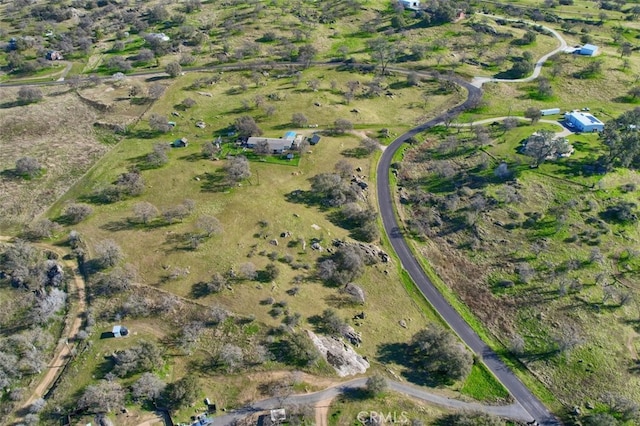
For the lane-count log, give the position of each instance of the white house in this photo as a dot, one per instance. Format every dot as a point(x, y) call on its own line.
point(410, 4)
point(120, 331)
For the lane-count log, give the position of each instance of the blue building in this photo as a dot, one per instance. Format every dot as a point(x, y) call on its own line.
point(584, 122)
point(588, 50)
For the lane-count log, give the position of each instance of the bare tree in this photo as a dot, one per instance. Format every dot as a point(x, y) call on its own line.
point(29, 94)
point(108, 253)
point(156, 91)
point(344, 168)
point(231, 357)
point(77, 212)
point(174, 69)
point(248, 271)
point(341, 125)
point(148, 387)
point(298, 119)
point(28, 166)
point(246, 126)
point(145, 212)
point(262, 147)
point(533, 114)
point(369, 145)
point(159, 123)
point(238, 169)
point(102, 397)
point(209, 225)
point(159, 156)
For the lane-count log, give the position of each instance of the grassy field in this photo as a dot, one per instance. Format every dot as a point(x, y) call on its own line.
point(563, 328)
point(252, 215)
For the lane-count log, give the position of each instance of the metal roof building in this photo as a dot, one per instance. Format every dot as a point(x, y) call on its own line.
point(584, 122)
point(589, 50)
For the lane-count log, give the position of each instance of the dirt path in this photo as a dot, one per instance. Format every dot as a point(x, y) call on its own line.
point(322, 411)
point(73, 322)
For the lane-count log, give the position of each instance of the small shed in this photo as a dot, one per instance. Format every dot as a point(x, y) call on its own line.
point(289, 156)
point(588, 50)
point(278, 415)
point(314, 139)
point(550, 111)
point(120, 331)
point(180, 143)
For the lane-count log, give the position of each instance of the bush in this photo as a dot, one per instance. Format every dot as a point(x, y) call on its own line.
point(77, 212)
point(28, 167)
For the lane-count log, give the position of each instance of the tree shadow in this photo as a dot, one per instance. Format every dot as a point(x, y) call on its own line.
point(192, 157)
point(355, 153)
point(400, 354)
point(199, 290)
point(214, 182)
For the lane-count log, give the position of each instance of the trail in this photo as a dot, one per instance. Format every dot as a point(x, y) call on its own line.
point(67, 343)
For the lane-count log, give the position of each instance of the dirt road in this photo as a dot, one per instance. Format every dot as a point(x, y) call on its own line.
point(73, 322)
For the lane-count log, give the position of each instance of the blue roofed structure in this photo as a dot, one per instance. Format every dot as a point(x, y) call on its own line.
point(290, 136)
point(588, 50)
point(584, 122)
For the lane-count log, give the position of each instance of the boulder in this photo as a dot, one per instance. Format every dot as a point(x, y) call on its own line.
point(341, 356)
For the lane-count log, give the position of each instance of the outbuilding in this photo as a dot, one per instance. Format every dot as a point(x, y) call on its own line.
point(314, 139)
point(120, 331)
point(588, 50)
point(584, 121)
point(550, 111)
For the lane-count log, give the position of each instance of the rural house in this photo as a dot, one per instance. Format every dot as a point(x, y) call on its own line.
point(54, 55)
point(583, 121)
point(410, 4)
point(276, 145)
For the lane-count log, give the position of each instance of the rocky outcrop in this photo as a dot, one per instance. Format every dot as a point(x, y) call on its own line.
point(372, 253)
point(339, 355)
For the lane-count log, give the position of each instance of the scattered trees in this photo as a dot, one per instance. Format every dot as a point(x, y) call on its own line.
point(622, 139)
point(145, 356)
point(102, 398)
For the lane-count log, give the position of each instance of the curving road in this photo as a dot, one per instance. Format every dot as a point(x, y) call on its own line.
point(512, 411)
point(534, 407)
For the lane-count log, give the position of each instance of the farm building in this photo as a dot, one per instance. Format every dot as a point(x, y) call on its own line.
point(550, 111)
point(583, 121)
point(588, 50)
point(314, 139)
point(410, 4)
point(120, 331)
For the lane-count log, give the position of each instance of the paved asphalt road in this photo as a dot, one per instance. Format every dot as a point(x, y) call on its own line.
point(512, 411)
point(518, 390)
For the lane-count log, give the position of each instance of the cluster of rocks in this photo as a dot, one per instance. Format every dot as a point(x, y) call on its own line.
point(372, 253)
point(341, 356)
